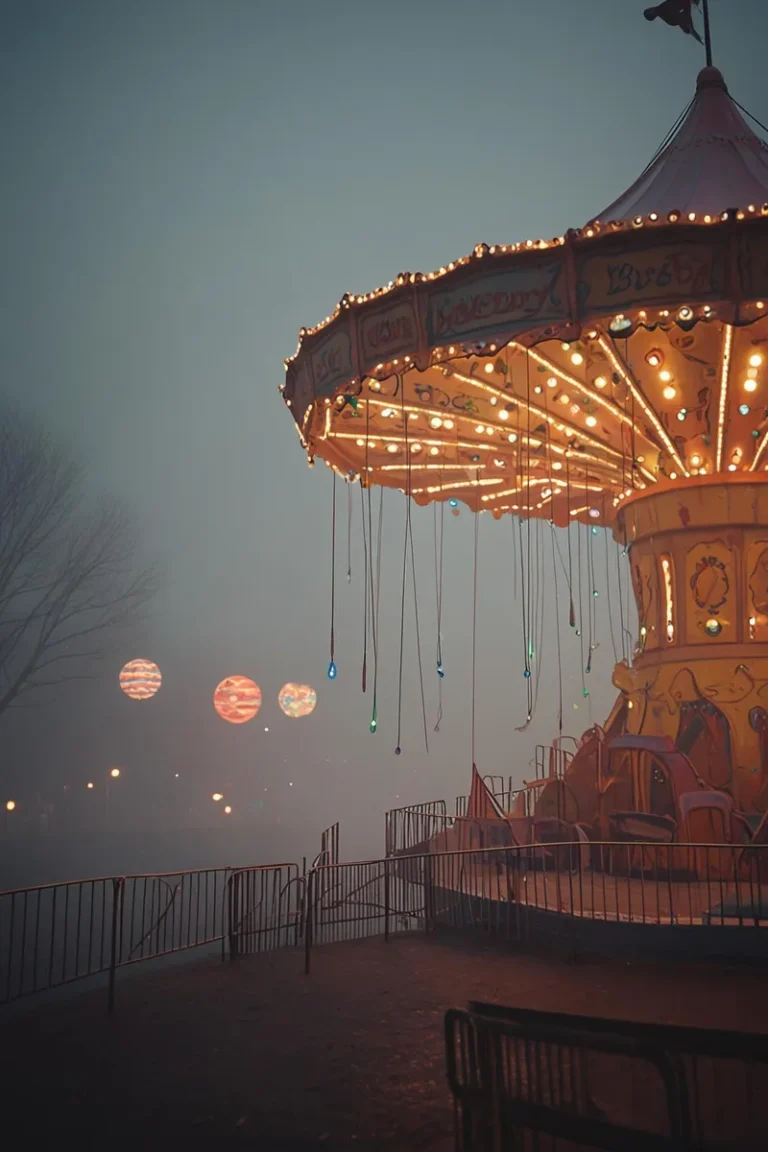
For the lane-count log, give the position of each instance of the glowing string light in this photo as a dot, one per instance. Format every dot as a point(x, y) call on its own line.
point(640, 399)
point(724, 371)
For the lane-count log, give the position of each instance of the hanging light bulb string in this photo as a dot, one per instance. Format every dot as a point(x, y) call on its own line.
point(474, 631)
point(556, 615)
point(418, 636)
point(365, 589)
point(349, 524)
point(375, 586)
point(595, 595)
point(528, 533)
point(398, 748)
point(571, 610)
point(537, 638)
point(332, 670)
point(580, 630)
point(438, 540)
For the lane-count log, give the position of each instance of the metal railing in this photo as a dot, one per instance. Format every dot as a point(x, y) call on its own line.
point(56, 934)
point(518, 1073)
point(329, 844)
point(542, 892)
point(414, 825)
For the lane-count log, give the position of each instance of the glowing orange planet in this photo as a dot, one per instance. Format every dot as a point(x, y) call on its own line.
point(297, 700)
point(140, 679)
point(237, 699)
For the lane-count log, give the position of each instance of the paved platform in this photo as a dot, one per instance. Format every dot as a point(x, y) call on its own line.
point(253, 1055)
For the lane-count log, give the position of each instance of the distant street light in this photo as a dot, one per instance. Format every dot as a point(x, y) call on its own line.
point(115, 773)
point(89, 784)
point(217, 796)
point(227, 810)
point(10, 805)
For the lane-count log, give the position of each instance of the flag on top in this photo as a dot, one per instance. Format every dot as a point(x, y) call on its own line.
point(676, 13)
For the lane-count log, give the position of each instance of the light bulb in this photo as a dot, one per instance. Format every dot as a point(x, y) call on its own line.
point(755, 360)
point(669, 392)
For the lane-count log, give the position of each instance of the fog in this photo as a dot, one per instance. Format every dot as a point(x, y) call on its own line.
point(185, 184)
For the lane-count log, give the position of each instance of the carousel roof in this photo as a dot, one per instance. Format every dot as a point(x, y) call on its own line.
point(714, 162)
point(556, 378)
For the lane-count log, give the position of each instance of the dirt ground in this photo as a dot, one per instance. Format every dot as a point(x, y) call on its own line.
point(254, 1055)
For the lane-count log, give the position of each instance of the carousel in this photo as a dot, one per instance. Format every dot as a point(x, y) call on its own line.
point(614, 378)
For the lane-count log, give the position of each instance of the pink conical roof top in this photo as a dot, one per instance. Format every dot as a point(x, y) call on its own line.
point(713, 162)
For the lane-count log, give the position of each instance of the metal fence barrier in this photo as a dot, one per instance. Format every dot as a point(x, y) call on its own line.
point(558, 893)
point(551, 893)
point(526, 1079)
point(55, 934)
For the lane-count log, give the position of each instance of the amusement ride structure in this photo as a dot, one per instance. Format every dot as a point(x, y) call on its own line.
point(613, 377)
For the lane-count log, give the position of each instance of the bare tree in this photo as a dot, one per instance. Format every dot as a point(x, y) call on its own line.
point(68, 576)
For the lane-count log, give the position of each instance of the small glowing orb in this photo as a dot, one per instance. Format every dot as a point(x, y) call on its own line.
point(89, 784)
point(713, 627)
point(755, 360)
point(228, 810)
point(140, 679)
point(750, 385)
point(297, 700)
point(217, 796)
point(115, 773)
point(10, 805)
point(237, 699)
point(669, 392)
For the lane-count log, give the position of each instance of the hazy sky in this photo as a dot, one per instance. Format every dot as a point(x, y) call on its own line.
point(185, 183)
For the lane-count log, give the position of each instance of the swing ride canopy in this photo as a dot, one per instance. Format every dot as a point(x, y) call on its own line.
point(557, 378)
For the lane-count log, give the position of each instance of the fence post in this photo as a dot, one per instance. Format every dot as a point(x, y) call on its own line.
point(117, 906)
point(309, 893)
point(386, 901)
point(233, 908)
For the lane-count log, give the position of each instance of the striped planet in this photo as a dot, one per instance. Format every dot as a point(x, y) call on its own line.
point(297, 700)
point(237, 699)
point(140, 679)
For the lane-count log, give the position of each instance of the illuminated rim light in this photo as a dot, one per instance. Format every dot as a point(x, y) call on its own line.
point(297, 700)
point(140, 679)
point(237, 699)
